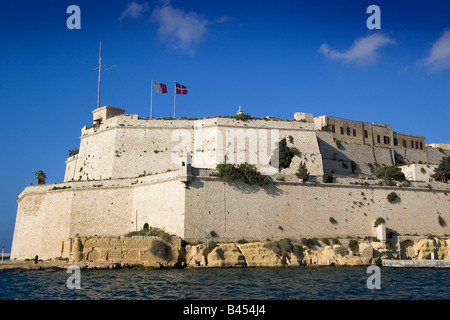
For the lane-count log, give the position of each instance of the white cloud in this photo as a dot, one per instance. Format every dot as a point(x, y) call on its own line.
point(134, 10)
point(181, 29)
point(363, 51)
point(439, 57)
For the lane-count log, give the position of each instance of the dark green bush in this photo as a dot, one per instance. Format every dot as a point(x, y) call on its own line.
point(243, 172)
point(302, 172)
point(73, 152)
point(378, 222)
point(285, 154)
point(442, 172)
point(242, 116)
point(310, 242)
point(393, 197)
point(328, 177)
point(390, 173)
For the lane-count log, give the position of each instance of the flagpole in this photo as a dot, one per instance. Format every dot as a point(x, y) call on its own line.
point(151, 100)
point(99, 73)
point(174, 97)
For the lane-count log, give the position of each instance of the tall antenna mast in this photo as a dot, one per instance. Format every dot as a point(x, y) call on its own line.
point(100, 72)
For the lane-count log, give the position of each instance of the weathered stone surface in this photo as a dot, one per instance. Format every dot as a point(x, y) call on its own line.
point(195, 256)
point(365, 250)
point(226, 255)
point(424, 248)
point(113, 252)
point(256, 255)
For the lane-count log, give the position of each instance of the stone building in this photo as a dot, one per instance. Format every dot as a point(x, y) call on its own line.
point(131, 171)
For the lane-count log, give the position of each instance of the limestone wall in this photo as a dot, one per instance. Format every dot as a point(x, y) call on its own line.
point(42, 223)
point(49, 214)
point(296, 210)
point(161, 205)
point(125, 146)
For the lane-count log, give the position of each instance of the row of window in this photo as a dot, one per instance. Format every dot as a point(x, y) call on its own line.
point(413, 144)
point(386, 139)
point(333, 129)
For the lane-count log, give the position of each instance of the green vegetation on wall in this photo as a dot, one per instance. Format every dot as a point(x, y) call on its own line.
point(243, 172)
point(390, 173)
point(442, 172)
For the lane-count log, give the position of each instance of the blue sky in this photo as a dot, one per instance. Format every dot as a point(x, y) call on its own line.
point(272, 58)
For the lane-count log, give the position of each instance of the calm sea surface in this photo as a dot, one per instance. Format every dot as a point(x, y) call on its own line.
point(330, 283)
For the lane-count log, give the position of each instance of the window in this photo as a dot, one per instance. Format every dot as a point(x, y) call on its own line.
point(354, 132)
point(342, 130)
point(395, 142)
point(348, 131)
point(333, 128)
point(404, 143)
point(421, 145)
point(386, 140)
point(366, 134)
point(412, 144)
point(417, 145)
point(378, 138)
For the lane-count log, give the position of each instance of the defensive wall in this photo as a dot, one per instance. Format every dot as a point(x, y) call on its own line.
point(126, 146)
point(191, 208)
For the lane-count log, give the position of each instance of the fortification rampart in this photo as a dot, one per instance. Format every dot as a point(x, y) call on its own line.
point(125, 146)
point(296, 210)
point(48, 215)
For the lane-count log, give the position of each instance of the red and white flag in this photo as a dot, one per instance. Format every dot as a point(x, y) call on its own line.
point(181, 89)
point(160, 87)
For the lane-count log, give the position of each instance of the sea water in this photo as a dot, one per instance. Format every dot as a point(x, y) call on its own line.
point(302, 283)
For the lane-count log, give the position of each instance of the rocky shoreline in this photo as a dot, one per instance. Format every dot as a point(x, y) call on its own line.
point(117, 253)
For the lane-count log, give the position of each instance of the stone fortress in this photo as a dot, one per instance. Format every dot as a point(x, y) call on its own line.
point(129, 172)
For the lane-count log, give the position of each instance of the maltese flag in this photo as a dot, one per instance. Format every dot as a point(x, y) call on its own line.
point(160, 87)
point(181, 89)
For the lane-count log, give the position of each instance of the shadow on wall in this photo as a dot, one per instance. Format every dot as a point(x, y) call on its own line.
point(270, 189)
point(335, 160)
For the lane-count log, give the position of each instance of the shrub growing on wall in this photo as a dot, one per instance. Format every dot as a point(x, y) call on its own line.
point(243, 172)
point(328, 177)
point(390, 173)
point(393, 197)
point(378, 222)
point(302, 172)
point(442, 172)
point(243, 116)
point(73, 152)
point(285, 154)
